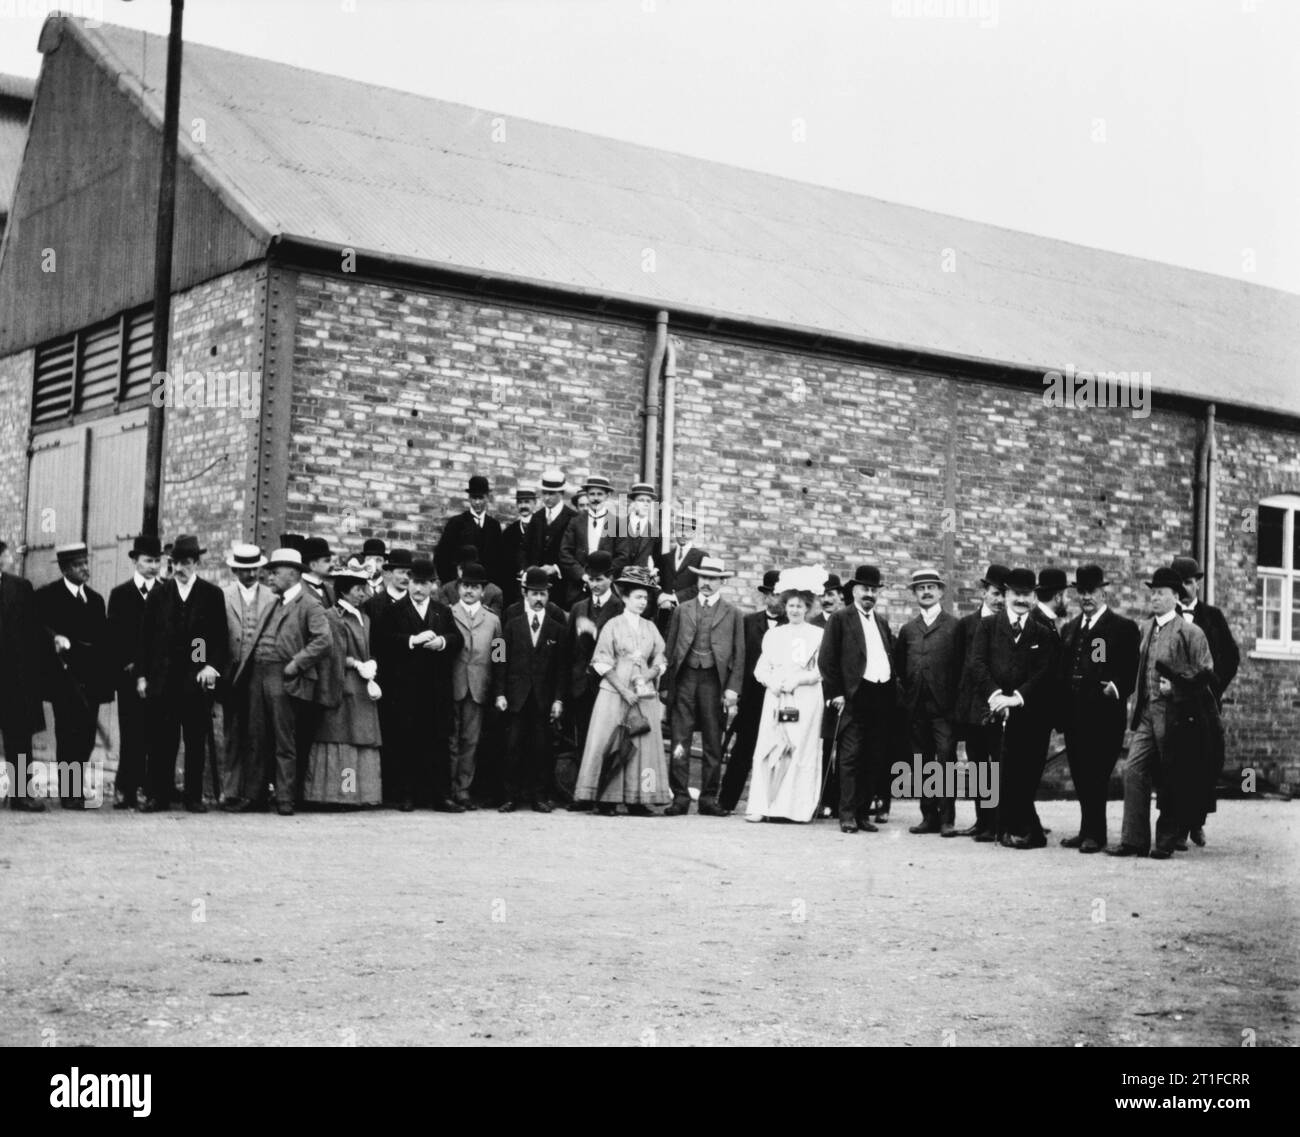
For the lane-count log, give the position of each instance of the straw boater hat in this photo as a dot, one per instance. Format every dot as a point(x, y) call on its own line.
point(596, 482)
point(285, 558)
point(242, 556)
point(926, 576)
point(75, 551)
point(711, 566)
point(642, 489)
point(553, 480)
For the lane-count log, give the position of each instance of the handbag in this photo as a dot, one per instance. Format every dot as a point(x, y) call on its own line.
point(787, 714)
point(636, 722)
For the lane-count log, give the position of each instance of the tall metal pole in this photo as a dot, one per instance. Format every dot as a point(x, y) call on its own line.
point(162, 272)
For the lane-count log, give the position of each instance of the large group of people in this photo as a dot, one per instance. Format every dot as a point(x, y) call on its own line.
point(455, 681)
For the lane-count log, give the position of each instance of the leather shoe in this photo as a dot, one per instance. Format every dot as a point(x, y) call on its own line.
point(926, 826)
point(284, 809)
point(26, 805)
point(676, 810)
point(1161, 854)
point(607, 809)
point(541, 805)
point(1088, 845)
point(72, 803)
point(465, 803)
point(234, 805)
point(124, 802)
point(970, 831)
point(196, 807)
point(579, 807)
point(153, 805)
point(446, 805)
point(848, 826)
point(1179, 846)
point(251, 806)
point(1072, 842)
point(506, 807)
point(406, 805)
point(984, 837)
point(1198, 837)
point(867, 827)
point(882, 817)
point(714, 811)
point(639, 810)
point(1124, 851)
point(1028, 842)
point(947, 831)
point(1007, 841)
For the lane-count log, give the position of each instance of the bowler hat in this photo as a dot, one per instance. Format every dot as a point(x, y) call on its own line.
point(1165, 577)
point(374, 547)
point(596, 482)
point(925, 576)
point(711, 566)
point(285, 558)
point(599, 563)
point(537, 579)
point(473, 573)
point(243, 556)
point(1050, 582)
point(1187, 568)
point(422, 570)
point(865, 574)
point(145, 546)
point(995, 577)
point(478, 486)
point(71, 552)
point(1020, 580)
point(833, 584)
point(314, 548)
point(769, 580)
point(466, 554)
point(186, 546)
point(398, 558)
point(1089, 577)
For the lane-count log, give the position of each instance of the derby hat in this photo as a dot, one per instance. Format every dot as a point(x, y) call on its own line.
point(473, 573)
point(422, 570)
point(925, 576)
point(1089, 577)
point(711, 566)
point(398, 558)
point(865, 574)
point(285, 558)
point(145, 546)
point(314, 549)
point(599, 563)
point(478, 486)
point(995, 577)
point(553, 480)
point(1051, 581)
point(537, 580)
point(1187, 568)
point(596, 482)
point(1020, 580)
point(186, 546)
point(769, 580)
point(1167, 577)
point(374, 547)
point(242, 556)
point(75, 551)
point(833, 584)
point(466, 554)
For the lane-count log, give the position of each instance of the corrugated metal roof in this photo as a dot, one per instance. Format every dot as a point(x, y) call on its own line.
point(310, 155)
point(15, 107)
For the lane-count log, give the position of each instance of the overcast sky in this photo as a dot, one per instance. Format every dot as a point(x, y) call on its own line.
point(1168, 129)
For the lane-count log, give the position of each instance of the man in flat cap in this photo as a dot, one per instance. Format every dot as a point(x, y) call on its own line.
point(928, 661)
point(184, 647)
point(1226, 656)
point(588, 531)
point(1174, 663)
point(1013, 672)
point(247, 601)
point(475, 526)
point(972, 711)
point(125, 616)
point(76, 618)
point(706, 668)
point(517, 545)
point(1099, 657)
point(548, 527)
point(756, 625)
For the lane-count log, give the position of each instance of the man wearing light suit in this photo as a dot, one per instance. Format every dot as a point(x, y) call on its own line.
point(247, 601)
point(477, 676)
point(1168, 644)
point(706, 668)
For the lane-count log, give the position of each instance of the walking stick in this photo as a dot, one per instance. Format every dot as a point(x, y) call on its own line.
point(834, 759)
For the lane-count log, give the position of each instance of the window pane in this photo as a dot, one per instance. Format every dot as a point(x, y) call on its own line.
point(1270, 536)
point(1295, 609)
point(1268, 594)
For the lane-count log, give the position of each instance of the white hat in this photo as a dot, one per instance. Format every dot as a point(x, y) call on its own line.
point(553, 480)
point(242, 556)
point(285, 558)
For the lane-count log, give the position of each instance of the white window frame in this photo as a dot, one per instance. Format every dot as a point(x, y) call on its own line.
point(1287, 645)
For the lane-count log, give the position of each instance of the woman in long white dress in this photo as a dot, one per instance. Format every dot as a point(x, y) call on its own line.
point(786, 777)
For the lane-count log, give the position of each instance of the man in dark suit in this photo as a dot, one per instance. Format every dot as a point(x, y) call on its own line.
point(419, 640)
point(1050, 609)
point(971, 712)
point(832, 600)
point(397, 574)
point(928, 663)
point(636, 540)
point(858, 680)
point(27, 667)
point(706, 666)
point(473, 527)
point(76, 618)
point(677, 571)
point(184, 646)
point(1226, 656)
point(547, 527)
point(1098, 668)
point(319, 558)
point(534, 646)
point(1013, 672)
point(588, 531)
point(125, 616)
point(756, 626)
point(517, 539)
point(586, 620)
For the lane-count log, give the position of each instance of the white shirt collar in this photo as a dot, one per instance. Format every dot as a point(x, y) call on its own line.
point(1161, 621)
point(1189, 605)
point(929, 615)
point(553, 513)
point(141, 582)
point(249, 593)
point(291, 594)
point(75, 589)
point(313, 578)
point(422, 606)
point(985, 610)
point(471, 608)
point(185, 589)
point(1091, 621)
point(1016, 619)
point(1047, 611)
point(393, 593)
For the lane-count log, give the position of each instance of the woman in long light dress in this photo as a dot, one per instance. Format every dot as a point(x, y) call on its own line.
point(629, 658)
point(786, 777)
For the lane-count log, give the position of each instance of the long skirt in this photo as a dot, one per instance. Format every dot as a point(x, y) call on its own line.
point(339, 773)
point(789, 786)
point(644, 780)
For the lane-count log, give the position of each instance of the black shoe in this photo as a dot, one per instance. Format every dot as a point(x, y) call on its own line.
point(1198, 837)
point(406, 805)
point(607, 809)
point(714, 811)
point(1028, 842)
point(27, 805)
point(677, 810)
point(507, 807)
point(1124, 851)
point(984, 837)
point(638, 810)
point(1179, 846)
point(1006, 841)
point(972, 831)
point(153, 805)
point(124, 801)
point(947, 831)
point(195, 807)
point(1072, 842)
point(848, 826)
point(1159, 854)
point(234, 805)
point(465, 803)
point(541, 805)
point(881, 818)
point(72, 803)
point(926, 826)
point(580, 806)
point(446, 805)
point(250, 806)
point(1090, 846)
point(867, 827)
point(284, 809)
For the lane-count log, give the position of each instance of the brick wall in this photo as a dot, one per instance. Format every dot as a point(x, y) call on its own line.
point(15, 420)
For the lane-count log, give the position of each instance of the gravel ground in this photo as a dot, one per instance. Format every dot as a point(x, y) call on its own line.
point(367, 928)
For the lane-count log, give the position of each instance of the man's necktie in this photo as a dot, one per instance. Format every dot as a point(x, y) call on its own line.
point(536, 623)
point(144, 592)
point(1020, 627)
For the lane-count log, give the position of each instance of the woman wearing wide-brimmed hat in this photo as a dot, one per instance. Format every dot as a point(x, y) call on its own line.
point(629, 658)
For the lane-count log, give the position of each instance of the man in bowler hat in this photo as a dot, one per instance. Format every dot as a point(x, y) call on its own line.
point(318, 559)
point(972, 711)
point(517, 545)
point(475, 526)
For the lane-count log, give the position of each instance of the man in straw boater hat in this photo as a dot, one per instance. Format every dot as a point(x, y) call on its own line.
point(283, 675)
point(588, 531)
point(125, 615)
point(858, 681)
point(972, 710)
point(532, 695)
point(517, 545)
point(184, 646)
point(1013, 673)
point(637, 539)
point(706, 668)
point(1099, 656)
point(928, 661)
point(75, 616)
point(756, 626)
point(1174, 663)
point(548, 526)
point(1226, 655)
point(415, 642)
point(247, 601)
point(475, 526)
point(27, 667)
